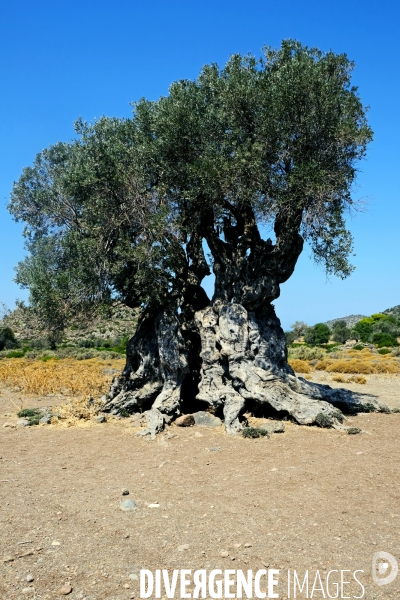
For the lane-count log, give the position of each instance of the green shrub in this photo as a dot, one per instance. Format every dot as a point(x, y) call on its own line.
point(384, 339)
point(290, 337)
point(331, 347)
point(306, 353)
point(358, 347)
point(15, 354)
point(323, 421)
point(341, 333)
point(319, 334)
point(28, 412)
point(362, 331)
point(354, 430)
point(7, 339)
point(384, 351)
point(254, 432)
point(33, 415)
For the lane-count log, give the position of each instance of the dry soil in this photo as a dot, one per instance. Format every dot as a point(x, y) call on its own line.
point(308, 498)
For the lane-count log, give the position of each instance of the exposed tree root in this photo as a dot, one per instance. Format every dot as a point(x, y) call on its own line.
point(243, 367)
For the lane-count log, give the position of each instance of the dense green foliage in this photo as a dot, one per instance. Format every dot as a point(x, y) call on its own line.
point(7, 339)
point(119, 212)
point(379, 329)
point(319, 334)
point(340, 332)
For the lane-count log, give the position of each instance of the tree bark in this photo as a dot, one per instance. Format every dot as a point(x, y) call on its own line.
point(228, 355)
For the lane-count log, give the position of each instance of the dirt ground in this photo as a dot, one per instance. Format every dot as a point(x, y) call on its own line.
point(308, 498)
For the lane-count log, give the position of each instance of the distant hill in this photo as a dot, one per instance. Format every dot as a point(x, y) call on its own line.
point(121, 321)
point(395, 311)
point(351, 320)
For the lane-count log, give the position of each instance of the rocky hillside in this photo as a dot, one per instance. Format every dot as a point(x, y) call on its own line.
point(395, 311)
point(351, 320)
point(111, 327)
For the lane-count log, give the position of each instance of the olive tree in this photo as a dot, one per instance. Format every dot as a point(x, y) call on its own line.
point(131, 208)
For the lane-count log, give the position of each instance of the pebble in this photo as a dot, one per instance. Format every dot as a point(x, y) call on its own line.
point(214, 449)
point(56, 543)
point(127, 505)
point(11, 425)
point(237, 545)
point(8, 559)
point(134, 577)
point(125, 492)
point(30, 578)
point(154, 506)
point(183, 547)
point(126, 586)
point(65, 590)
point(28, 590)
point(198, 434)
point(185, 421)
point(23, 422)
point(248, 545)
point(224, 553)
point(100, 419)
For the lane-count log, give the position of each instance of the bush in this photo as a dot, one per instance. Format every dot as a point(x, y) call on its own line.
point(331, 347)
point(290, 337)
point(300, 366)
point(319, 334)
point(15, 354)
point(7, 339)
point(28, 412)
point(254, 432)
point(323, 421)
point(362, 331)
point(306, 353)
point(384, 339)
point(32, 414)
point(341, 333)
point(384, 351)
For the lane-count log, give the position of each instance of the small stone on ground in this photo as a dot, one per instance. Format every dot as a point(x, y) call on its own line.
point(183, 547)
point(128, 505)
point(66, 589)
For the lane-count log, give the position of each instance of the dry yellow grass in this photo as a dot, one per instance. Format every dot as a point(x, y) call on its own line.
point(78, 411)
point(352, 362)
point(357, 379)
point(300, 366)
point(75, 377)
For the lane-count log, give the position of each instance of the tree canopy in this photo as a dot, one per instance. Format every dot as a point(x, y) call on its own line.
point(123, 210)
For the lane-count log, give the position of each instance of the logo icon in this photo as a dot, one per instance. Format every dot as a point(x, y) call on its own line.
point(380, 566)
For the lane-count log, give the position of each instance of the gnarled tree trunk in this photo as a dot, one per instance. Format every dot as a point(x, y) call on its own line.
point(228, 354)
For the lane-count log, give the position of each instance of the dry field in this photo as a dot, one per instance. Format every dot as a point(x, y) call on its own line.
point(69, 376)
point(304, 499)
point(354, 362)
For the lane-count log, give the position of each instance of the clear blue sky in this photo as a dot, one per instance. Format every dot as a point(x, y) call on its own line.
point(61, 60)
